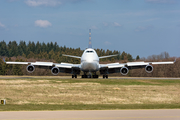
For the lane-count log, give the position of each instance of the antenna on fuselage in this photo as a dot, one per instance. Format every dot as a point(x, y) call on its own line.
point(90, 45)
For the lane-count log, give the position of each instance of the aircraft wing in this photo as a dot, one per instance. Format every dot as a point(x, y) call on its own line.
point(123, 68)
point(63, 67)
point(131, 64)
point(59, 65)
point(112, 65)
point(67, 65)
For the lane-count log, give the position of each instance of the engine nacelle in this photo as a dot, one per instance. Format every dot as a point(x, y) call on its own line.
point(149, 68)
point(124, 70)
point(30, 68)
point(55, 70)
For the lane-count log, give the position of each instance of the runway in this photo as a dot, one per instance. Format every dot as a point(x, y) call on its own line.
point(100, 77)
point(167, 114)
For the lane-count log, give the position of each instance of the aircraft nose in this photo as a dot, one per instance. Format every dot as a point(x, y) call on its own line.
point(89, 61)
point(90, 65)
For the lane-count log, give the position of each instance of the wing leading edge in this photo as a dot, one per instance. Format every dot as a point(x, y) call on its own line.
point(129, 64)
point(123, 68)
point(61, 67)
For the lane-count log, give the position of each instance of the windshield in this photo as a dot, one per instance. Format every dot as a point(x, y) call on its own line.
point(89, 51)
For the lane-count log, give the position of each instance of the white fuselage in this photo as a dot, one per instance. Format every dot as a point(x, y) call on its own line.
point(89, 61)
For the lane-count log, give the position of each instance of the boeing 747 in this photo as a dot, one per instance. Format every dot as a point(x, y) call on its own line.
point(89, 65)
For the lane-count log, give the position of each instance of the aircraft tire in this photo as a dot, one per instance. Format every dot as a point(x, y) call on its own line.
point(95, 76)
point(103, 76)
point(88, 76)
point(106, 76)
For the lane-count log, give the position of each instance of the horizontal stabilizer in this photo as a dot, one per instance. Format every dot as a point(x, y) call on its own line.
point(71, 56)
point(108, 56)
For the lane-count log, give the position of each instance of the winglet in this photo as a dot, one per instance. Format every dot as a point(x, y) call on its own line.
point(174, 60)
point(4, 60)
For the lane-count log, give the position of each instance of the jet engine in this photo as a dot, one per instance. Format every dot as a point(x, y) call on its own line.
point(30, 68)
point(124, 70)
point(55, 70)
point(149, 68)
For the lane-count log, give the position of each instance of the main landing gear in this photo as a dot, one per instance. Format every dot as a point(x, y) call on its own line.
point(105, 76)
point(74, 76)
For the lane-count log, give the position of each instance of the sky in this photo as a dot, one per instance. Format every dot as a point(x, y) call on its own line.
point(138, 27)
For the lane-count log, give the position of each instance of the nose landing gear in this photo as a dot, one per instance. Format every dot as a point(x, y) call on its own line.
point(105, 76)
point(90, 75)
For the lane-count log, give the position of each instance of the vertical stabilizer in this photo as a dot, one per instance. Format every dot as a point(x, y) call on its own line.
point(90, 45)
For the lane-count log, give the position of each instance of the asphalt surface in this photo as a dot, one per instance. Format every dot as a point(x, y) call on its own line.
point(168, 114)
point(69, 77)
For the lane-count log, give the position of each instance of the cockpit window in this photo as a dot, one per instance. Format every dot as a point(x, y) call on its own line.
point(89, 51)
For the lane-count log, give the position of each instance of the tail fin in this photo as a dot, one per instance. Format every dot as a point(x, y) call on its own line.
point(90, 45)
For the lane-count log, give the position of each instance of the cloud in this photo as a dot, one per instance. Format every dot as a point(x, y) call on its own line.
point(117, 24)
point(12, 0)
point(42, 23)
point(43, 2)
point(105, 24)
point(51, 3)
point(94, 27)
point(2, 26)
point(141, 28)
point(162, 1)
point(107, 43)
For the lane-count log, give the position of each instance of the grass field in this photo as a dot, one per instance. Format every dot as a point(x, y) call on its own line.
point(51, 93)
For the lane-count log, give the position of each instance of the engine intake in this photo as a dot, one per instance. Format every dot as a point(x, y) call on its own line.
point(149, 68)
point(124, 70)
point(55, 70)
point(30, 68)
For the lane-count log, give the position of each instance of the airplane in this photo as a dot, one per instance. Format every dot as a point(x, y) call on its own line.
point(90, 65)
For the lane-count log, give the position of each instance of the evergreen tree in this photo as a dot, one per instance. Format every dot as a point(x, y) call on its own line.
point(22, 48)
point(3, 49)
point(38, 48)
point(129, 57)
point(31, 55)
point(1, 69)
point(13, 49)
point(44, 47)
point(17, 69)
point(137, 57)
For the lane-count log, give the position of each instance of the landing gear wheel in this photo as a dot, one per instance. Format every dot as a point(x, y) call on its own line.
point(74, 76)
point(103, 76)
point(95, 76)
point(83, 76)
point(106, 76)
point(88, 76)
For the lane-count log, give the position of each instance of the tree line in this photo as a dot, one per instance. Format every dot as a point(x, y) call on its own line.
point(52, 52)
